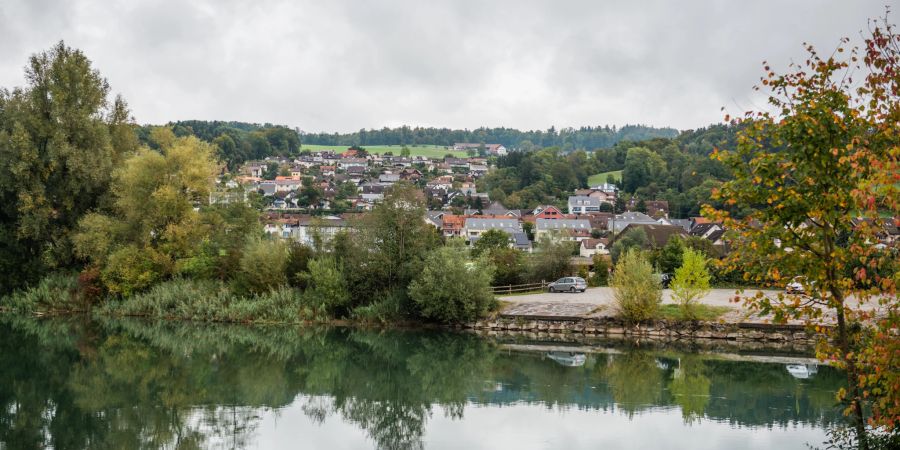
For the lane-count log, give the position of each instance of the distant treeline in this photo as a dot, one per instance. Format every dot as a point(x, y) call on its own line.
point(236, 142)
point(587, 138)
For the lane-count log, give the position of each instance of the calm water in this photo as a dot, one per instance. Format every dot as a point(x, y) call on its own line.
point(135, 384)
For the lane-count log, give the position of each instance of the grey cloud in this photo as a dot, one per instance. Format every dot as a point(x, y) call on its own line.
point(345, 65)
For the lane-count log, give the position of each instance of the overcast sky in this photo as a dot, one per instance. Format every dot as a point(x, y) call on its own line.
point(345, 65)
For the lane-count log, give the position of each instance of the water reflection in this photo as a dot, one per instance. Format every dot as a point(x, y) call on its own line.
point(137, 384)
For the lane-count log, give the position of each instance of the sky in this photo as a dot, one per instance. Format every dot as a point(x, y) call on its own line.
point(340, 65)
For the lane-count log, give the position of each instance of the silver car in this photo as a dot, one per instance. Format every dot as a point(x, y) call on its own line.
point(568, 284)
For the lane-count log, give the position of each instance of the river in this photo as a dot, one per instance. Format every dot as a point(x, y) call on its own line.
point(122, 384)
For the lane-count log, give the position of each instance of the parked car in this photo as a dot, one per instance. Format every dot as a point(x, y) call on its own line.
point(798, 285)
point(568, 284)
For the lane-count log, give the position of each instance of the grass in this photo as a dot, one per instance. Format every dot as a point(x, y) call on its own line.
point(428, 151)
point(600, 178)
point(701, 312)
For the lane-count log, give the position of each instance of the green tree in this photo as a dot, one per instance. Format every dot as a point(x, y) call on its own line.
point(691, 281)
point(814, 178)
point(327, 287)
point(153, 209)
point(635, 238)
point(404, 152)
point(490, 241)
point(263, 266)
point(59, 141)
point(669, 257)
point(642, 166)
point(636, 289)
point(271, 171)
point(391, 243)
point(551, 259)
point(451, 288)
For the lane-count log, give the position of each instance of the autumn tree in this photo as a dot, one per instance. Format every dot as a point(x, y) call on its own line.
point(152, 229)
point(814, 176)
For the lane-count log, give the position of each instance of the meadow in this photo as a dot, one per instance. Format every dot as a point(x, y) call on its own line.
point(428, 151)
point(601, 178)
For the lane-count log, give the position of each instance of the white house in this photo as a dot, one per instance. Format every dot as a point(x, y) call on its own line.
point(580, 204)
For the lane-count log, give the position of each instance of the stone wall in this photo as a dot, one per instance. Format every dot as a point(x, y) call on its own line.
point(766, 335)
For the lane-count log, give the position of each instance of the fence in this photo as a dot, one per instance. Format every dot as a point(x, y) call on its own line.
point(514, 288)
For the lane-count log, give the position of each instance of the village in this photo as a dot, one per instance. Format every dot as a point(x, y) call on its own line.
point(326, 190)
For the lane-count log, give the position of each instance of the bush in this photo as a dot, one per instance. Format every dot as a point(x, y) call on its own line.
point(297, 265)
point(601, 271)
point(90, 285)
point(637, 290)
point(262, 266)
point(327, 287)
point(451, 288)
point(691, 281)
point(131, 269)
point(551, 259)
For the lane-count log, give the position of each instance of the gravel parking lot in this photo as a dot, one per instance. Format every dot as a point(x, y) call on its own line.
point(604, 296)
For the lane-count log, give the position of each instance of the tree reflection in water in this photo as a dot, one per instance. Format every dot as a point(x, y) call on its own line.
point(138, 384)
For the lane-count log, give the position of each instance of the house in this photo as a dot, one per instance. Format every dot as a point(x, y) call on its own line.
point(442, 183)
point(621, 221)
point(435, 218)
point(547, 212)
point(657, 208)
point(346, 163)
point(478, 169)
point(452, 225)
point(388, 178)
point(658, 234)
point(571, 229)
point(683, 223)
point(517, 240)
point(494, 149)
point(476, 226)
point(591, 247)
point(709, 230)
point(599, 220)
point(607, 188)
point(310, 229)
point(408, 174)
point(579, 204)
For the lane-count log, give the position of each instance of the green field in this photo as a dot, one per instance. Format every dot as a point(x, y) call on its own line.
point(600, 178)
point(428, 151)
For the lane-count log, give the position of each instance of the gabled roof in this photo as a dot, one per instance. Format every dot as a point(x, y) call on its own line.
point(562, 224)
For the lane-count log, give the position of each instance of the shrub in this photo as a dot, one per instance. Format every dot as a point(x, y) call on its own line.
point(551, 259)
point(601, 271)
point(262, 266)
point(131, 269)
point(327, 287)
point(297, 265)
point(451, 288)
point(691, 281)
point(90, 285)
point(637, 290)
